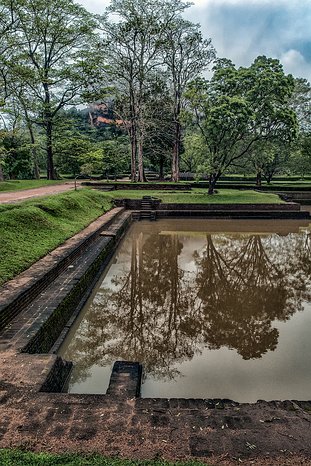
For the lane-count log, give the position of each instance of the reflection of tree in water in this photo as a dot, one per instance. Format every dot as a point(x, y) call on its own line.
point(159, 314)
point(145, 315)
point(242, 292)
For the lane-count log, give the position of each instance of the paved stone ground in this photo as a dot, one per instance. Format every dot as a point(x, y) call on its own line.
point(215, 432)
point(22, 195)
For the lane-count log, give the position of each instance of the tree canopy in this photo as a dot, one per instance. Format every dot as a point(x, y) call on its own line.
point(139, 71)
point(238, 108)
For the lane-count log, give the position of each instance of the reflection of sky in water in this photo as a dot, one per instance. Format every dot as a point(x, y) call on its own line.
point(208, 313)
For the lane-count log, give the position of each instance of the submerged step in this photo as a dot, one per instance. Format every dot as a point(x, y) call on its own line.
point(125, 380)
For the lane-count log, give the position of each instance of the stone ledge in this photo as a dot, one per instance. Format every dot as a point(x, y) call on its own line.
point(138, 186)
point(290, 206)
point(227, 214)
point(125, 380)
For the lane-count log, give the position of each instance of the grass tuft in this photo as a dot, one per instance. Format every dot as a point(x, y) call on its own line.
point(31, 229)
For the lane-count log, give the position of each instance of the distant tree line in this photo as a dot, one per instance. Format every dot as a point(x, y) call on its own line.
point(141, 67)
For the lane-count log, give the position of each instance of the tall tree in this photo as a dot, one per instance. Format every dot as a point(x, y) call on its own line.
point(8, 23)
point(50, 44)
point(187, 54)
point(238, 108)
point(300, 161)
point(135, 34)
point(301, 103)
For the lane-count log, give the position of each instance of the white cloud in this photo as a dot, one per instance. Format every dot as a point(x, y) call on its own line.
point(292, 58)
point(94, 6)
point(243, 29)
point(295, 63)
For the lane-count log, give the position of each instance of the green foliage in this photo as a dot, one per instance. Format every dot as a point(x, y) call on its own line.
point(301, 103)
point(300, 158)
point(15, 155)
point(268, 158)
point(109, 157)
point(70, 153)
point(240, 107)
point(116, 156)
point(193, 157)
point(20, 458)
point(45, 71)
point(31, 229)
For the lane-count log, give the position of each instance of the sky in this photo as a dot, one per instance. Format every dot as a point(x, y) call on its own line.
point(243, 29)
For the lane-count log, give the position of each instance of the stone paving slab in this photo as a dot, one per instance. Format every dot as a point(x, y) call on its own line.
point(214, 431)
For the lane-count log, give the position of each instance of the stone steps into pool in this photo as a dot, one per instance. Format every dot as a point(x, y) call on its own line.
point(149, 208)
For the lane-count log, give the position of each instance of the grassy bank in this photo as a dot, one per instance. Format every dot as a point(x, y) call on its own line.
point(17, 185)
point(31, 229)
point(200, 196)
point(18, 458)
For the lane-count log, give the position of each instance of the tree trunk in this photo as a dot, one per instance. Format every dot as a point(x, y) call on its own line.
point(36, 169)
point(258, 179)
point(212, 183)
point(48, 131)
point(141, 172)
point(34, 152)
point(1, 174)
point(176, 152)
point(161, 169)
point(268, 177)
point(49, 152)
point(133, 152)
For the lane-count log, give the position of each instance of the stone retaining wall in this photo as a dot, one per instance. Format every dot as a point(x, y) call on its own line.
point(18, 293)
point(291, 206)
point(53, 322)
point(45, 334)
point(156, 204)
point(140, 186)
point(57, 377)
point(233, 214)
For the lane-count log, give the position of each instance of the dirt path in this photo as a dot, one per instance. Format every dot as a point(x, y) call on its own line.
point(22, 195)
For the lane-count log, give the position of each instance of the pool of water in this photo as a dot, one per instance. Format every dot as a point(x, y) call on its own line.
point(211, 308)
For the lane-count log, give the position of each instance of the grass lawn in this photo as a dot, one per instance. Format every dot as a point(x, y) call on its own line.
point(200, 196)
point(16, 185)
point(30, 229)
point(288, 183)
point(19, 458)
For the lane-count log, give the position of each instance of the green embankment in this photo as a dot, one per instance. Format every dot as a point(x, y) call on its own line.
point(17, 185)
point(31, 229)
point(19, 458)
point(200, 196)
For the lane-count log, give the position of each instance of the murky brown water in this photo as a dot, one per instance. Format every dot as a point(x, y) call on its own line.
point(212, 309)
